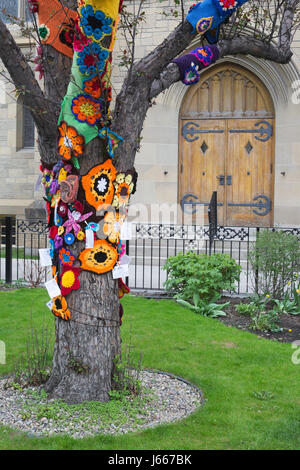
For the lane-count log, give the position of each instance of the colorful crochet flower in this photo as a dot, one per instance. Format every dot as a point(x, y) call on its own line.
point(58, 220)
point(44, 32)
point(69, 238)
point(80, 40)
point(92, 87)
point(95, 23)
point(54, 186)
point(70, 143)
point(77, 206)
point(58, 242)
point(204, 54)
point(191, 75)
point(62, 175)
point(98, 184)
point(69, 279)
point(112, 224)
point(121, 248)
point(60, 308)
point(33, 6)
point(74, 219)
point(86, 109)
point(80, 235)
point(55, 199)
point(66, 256)
point(225, 5)
point(53, 232)
point(123, 289)
point(99, 259)
point(92, 59)
point(123, 188)
point(113, 140)
point(47, 178)
point(60, 230)
point(52, 247)
point(62, 209)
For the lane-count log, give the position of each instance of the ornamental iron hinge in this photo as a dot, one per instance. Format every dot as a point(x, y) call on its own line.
point(264, 205)
point(190, 129)
point(265, 131)
point(190, 201)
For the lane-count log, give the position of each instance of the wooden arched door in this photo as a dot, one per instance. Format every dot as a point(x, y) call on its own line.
point(227, 145)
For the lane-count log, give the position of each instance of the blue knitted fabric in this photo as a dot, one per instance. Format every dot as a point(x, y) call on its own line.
point(209, 14)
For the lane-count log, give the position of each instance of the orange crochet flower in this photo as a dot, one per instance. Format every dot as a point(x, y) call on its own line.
point(86, 109)
point(112, 226)
point(69, 142)
point(98, 184)
point(60, 308)
point(100, 259)
point(94, 88)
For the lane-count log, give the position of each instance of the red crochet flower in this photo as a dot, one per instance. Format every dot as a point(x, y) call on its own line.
point(53, 232)
point(69, 279)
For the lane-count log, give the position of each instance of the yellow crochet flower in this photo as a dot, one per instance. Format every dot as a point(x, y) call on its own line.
point(60, 230)
point(80, 235)
point(62, 175)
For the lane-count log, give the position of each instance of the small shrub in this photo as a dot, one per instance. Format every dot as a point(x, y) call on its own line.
point(246, 309)
point(275, 258)
point(207, 276)
point(265, 321)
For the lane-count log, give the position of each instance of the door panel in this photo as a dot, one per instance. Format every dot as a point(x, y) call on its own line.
point(249, 162)
point(203, 143)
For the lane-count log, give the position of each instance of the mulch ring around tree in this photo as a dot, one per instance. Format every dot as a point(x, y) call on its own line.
point(289, 324)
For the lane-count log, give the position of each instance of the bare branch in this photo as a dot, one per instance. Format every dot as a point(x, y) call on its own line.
point(24, 80)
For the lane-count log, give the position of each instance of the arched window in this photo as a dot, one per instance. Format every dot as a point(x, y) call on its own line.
point(28, 128)
point(25, 126)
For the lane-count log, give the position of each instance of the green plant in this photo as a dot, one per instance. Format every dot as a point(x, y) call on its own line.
point(265, 321)
point(127, 369)
point(207, 276)
point(246, 309)
point(275, 261)
point(201, 307)
point(32, 368)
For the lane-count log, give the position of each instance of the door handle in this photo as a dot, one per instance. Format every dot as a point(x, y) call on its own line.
point(221, 178)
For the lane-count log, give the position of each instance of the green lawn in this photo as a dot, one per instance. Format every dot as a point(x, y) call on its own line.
point(230, 366)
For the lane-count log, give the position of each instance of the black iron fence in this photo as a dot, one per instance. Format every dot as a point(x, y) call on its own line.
point(149, 248)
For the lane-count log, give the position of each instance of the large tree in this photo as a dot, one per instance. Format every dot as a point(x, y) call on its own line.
point(260, 28)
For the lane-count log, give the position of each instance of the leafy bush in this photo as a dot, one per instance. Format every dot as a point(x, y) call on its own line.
point(207, 276)
point(265, 321)
point(275, 258)
point(203, 308)
point(246, 309)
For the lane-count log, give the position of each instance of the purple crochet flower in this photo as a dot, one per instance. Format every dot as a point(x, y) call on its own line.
point(58, 242)
point(54, 186)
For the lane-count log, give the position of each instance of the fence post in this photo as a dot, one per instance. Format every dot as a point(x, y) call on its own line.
point(127, 253)
point(8, 249)
point(256, 269)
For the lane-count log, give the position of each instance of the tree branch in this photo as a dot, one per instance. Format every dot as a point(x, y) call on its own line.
point(24, 79)
point(238, 45)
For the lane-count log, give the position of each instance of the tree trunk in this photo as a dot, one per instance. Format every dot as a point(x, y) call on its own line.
point(86, 346)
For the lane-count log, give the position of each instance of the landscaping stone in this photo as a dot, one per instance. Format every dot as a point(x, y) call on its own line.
point(164, 398)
